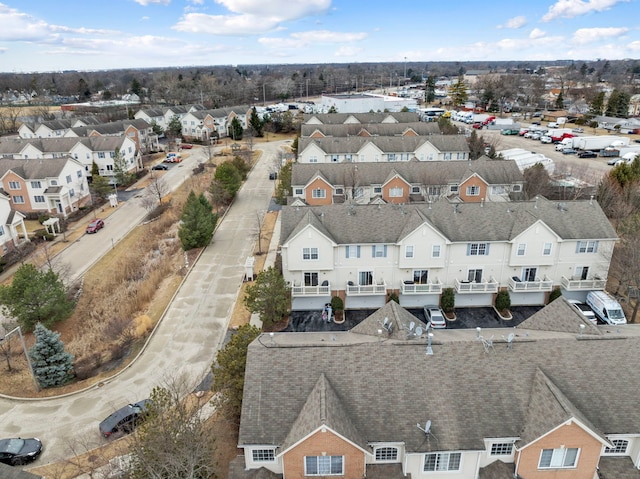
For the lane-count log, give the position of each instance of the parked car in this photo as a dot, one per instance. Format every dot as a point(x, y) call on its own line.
point(509, 131)
point(585, 311)
point(478, 126)
point(569, 151)
point(96, 225)
point(273, 175)
point(186, 146)
point(546, 139)
point(587, 154)
point(435, 317)
point(160, 166)
point(16, 451)
point(578, 130)
point(126, 418)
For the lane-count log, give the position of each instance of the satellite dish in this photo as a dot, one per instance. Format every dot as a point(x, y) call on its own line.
point(510, 337)
point(386, 322)
point(411, 326)
point(427, 427)
point(419, 331)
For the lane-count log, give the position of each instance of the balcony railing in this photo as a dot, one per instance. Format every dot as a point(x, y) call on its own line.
point(366, 289)
point(466, 287)
point(415, 288)
point(516, 285)
point(297, 290)
point(571, 284)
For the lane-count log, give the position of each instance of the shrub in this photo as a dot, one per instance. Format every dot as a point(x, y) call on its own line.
point(503, 300)
point(337, 304)
point(394, 297)
point(448, 300)
point(555, 294)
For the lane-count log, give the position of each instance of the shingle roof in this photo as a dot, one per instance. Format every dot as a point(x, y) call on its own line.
point(8, 472)
point(391, 316)
point(36, 169)
point(61, 145)
point(468, 394)
point(617, 468)
point(497, 470)
point(559, 316)
point(494, 172)
point(379, 129)
point(387, 144)
point(339, 118)
point(367, 224)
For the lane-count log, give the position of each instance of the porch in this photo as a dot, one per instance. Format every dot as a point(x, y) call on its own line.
point(409, 287)
point(375, 289)
point(573, 284)
point(298, 290)
point(517, 285)
point(468, 287)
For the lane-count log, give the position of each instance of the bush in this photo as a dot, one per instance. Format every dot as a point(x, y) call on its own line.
point(394, 297)
point(337, 304)
point(555, 294)
point(448, 300)
point(503, 300)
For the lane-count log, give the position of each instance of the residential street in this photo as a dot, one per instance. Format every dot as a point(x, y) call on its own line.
point(186, 340)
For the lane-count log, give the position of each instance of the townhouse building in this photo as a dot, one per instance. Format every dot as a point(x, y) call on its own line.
point(50, 185)
point(151, 116)
point(137, 130)
point(363, 253)
point(13, 231)
point(364, 118)
point(101, 149)
point(420, 128)
point(55, 128)
point(381, 149)
point(391, 400)
point(405, 182)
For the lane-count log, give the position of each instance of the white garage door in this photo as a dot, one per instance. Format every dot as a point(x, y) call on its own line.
point(527, 299)
point(471, 300)
point(418, 300)
point(364, 302)
point(309, 303)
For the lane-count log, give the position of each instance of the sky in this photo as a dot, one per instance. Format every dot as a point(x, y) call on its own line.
point(46, 35)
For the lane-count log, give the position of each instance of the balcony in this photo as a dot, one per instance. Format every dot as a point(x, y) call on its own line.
point(572, 284)
point(468, 287)
point(366, 289)
point(298, 291)
point(409, 287)
point(516, 285)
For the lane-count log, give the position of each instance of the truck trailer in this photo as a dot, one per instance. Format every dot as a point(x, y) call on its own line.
point(597, 143)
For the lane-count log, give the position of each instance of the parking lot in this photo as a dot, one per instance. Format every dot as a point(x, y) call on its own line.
point(466, 318)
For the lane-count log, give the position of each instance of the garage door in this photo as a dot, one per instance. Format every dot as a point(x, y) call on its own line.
point(418, 300)
point(310, 303)
point(471, 300)
point(527, 299)
point(364, 302)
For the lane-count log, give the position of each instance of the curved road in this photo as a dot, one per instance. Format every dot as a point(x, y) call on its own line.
point(184, 343)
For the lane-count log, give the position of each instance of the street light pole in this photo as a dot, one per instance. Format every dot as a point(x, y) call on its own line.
point(26, 353)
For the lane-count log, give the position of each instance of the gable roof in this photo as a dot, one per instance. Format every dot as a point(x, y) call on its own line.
point(373, 129)
point(468, 394)
point(35, 169)
point(396, 316)
point(459, 222)
point(559, 316)
point(373, 117)
point(9, 472)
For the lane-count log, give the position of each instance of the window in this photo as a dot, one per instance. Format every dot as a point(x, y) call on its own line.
point(415, 190)
point(529, 274)
point(619, 447)
point(1, 230)
point(339, 191)
point(311, 279)
point(587, 247)
point(18, 200)
point(36, 184)
point(408, 251)
point(323, 465)
point(517, 188)
point(335, 158)
point(38, 199)
point(478, 249)
point(358, 192)
point(309, 253)
point(377, 190)
point(263, 455)
point(313, 159)
point(420, 276)
point(433, 191)
point(546, 249)
point(558, 458)
point(379, 251)
point(109, 167)
point(435, 251)
point(391, 157)
point(501, 448)
point(387, 454)
point(442, 461)
point(474, 276)
point(101, 154)
point(352, 251)
point(395, 192)
point(522, 248)
point(54, 182)
point(473, 190)
point(454, 188)
point(79, 173)
point(498, 190)
point(72, 192)
point(318, 193)
point(14, 185)
point(68, 179)
point(298, 191)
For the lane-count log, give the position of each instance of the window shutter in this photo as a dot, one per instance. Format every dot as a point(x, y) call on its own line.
point(487, 250)
point(373, 251)
point(468, 249)
point(595, 246)
point(577, 246)
point(385, 251)
point(346, 251)
point(358, 251)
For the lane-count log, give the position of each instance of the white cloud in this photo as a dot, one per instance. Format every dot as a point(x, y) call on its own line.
point(348, 51)
point(575, 8)
point(145, 3)
point(326, 36)
point(589, 35)
point(251, 17)
point(635, 46)
point(515, 22)
point(537, 33)
point(18, 26)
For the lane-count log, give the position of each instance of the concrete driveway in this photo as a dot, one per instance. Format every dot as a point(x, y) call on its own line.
point(185, 341)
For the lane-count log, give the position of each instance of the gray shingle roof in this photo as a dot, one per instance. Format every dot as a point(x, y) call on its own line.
point(559, 316)
point(494, 172)
point(399, 318)
point(388, 386)
point(617, 468)
point(339, 118)
point(8, 472)
point(373, 129)
point(61, 145)
point(36, 169)
point(497, 470)
point(366, 224)
point(387, 144)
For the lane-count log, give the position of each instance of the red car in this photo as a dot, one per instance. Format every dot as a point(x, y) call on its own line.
point(95, 226)
point(186, 146)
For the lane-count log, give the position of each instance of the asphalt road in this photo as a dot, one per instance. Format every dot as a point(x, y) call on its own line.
point(184, 343)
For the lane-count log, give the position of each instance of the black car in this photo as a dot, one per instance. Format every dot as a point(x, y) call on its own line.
point(587, 154)
point(273, 175)
point(17, 451)
point(160, 166)
point(126, 418)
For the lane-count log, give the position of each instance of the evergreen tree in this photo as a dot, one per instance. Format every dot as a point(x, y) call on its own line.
point(257, 124)
point(283, 189)
point(459, 93)
point(228, 175)
point(174, 128)
point(430, 89)
point(476, 145)
point(122, 176)
point(36, 296)
point(235, 129)
point(52, 365)
point(596, 107)
point(268, 296)
point(99, 186)
point(198, 222)
point(560, 101)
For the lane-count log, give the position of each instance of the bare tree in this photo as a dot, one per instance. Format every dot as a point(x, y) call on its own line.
point(158, 188)
point(5, 343)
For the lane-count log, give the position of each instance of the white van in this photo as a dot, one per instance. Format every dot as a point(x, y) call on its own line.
point(606, 307)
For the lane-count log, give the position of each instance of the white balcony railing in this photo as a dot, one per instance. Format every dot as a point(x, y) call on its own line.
point(571, 284)
point(298, 291)
point(409, 287)
point(516, 285)
point(467, 287)
point(366, 289)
